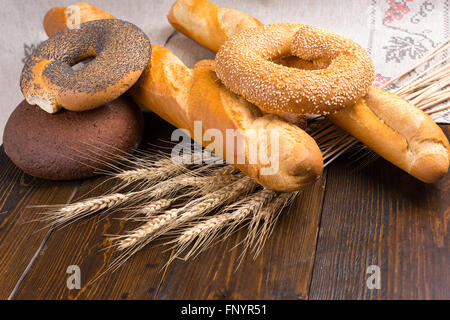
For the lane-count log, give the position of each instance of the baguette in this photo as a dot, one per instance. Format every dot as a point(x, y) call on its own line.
point(399, 132)
point(181, 96)
point(389, 125)
point(59, 18)
point(377, 120)
point(215, 26)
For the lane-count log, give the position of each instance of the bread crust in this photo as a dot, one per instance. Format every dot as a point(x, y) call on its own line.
point(384, 122)
point(72, 145)
point(181, 96)
point(60, 18)
point(245, 65)
point(120, 52)
point(215, 27)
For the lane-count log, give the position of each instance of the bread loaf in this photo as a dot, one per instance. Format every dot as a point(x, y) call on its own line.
point(386, 123)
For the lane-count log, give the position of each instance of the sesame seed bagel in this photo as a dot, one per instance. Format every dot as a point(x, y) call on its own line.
point(119, 50)
point(245, 65)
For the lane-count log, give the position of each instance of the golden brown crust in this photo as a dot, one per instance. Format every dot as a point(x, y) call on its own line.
point(55, 20)
point(367, 121)
point(216, 25)
point(59, 18)
point(181, 96)
point(399, 132)
point(174, 90)
point(245, 65)
point(120, 52)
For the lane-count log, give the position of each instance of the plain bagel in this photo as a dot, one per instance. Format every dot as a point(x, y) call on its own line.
point(245, 65)
point(120, 52)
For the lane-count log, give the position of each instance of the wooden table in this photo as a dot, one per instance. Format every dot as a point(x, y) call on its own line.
point(321, 247)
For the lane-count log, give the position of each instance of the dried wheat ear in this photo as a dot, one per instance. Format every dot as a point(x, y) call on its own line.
point(197, 204)
point(172, 198)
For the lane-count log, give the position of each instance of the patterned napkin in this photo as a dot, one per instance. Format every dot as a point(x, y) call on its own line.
point(402, 32)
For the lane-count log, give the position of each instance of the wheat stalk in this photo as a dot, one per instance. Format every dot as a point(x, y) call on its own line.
point(154, 207)
point(204, 185)
point(149, 228)
point(78, 210)
point(150, 172)
point(203, 233)
point(172, 219)
point(258, 233)
point(149, 168)
point(196, 208)
point(217, 178)
point(161, 224)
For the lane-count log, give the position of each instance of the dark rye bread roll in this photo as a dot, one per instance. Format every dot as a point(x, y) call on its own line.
point(71, 145)
point(119, 50)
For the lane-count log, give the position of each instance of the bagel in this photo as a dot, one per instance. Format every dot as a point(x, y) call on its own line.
point(245, 65)
point(120, 52)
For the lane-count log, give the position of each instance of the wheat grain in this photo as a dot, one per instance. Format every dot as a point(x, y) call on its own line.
point(152, 172)
point(87, 207)
point(202, 185)
point(155, 207)
point(205, 232)
point(147, 229)
point(222, 196)
point(267, 216)
point(196, 208)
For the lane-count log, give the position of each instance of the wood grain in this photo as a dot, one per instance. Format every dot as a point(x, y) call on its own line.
point(20, 234)
point(142, 276)
point(321, 246)
point(84, 244)
point(281, 271)
point(382, 216)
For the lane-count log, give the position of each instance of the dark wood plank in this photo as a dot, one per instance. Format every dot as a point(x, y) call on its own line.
point(376, 216)
point(382, 216)
point(83, 244)
point(20, 235)
point(281, 271)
